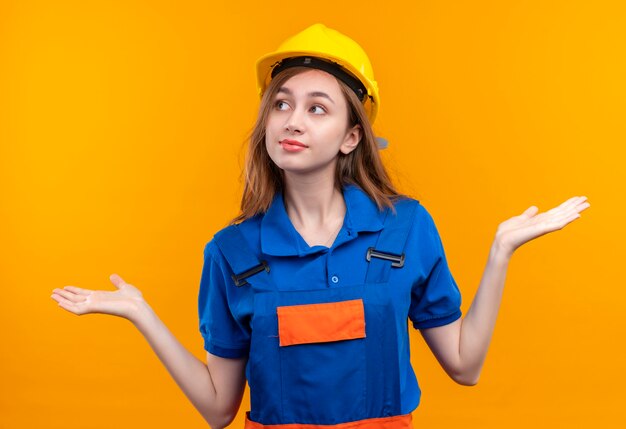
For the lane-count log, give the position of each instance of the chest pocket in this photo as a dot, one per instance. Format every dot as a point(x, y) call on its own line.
point(320, 323)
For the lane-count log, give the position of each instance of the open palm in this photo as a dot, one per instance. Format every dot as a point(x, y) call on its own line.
point(121, 302)
point(529, 225)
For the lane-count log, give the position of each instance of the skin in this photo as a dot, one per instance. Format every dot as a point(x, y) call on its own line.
point(302, 113)
point(316, 210)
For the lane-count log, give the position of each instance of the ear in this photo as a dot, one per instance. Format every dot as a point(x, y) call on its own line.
point(352, 139)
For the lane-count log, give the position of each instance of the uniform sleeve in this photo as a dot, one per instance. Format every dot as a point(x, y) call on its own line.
point(436, 299)
point(224, 334)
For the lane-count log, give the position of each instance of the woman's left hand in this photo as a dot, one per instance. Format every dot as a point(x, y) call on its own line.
point(529, 225)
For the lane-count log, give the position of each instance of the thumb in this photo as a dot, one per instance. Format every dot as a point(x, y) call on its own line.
point(530, 211)
point(117, 281)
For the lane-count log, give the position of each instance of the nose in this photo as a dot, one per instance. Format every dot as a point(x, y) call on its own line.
point(295, 122)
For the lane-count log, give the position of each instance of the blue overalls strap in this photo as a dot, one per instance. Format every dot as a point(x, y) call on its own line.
point(242, 260)
point(388, 253)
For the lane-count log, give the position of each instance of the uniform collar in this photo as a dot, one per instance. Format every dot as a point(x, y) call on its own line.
point(280, 238)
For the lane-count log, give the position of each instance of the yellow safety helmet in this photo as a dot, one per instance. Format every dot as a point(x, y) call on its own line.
point(324, 48)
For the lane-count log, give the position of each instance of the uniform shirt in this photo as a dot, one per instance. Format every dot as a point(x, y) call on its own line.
point(431, 295)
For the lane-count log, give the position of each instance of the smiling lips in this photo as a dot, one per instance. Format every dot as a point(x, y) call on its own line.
point(292, 145)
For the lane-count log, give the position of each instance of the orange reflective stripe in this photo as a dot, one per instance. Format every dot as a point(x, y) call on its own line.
point(395, 422)
point(319, 323)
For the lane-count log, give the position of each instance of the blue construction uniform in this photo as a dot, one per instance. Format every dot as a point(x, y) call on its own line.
point(337, 380)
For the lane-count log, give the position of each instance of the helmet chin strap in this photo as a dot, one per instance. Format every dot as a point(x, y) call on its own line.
point(382, 142)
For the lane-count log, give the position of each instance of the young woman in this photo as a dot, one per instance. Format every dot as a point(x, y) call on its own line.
point(306, 296)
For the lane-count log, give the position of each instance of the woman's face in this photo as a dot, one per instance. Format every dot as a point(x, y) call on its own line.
point(308, 126)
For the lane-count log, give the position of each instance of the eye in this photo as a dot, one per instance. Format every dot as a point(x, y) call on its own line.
point(281, 105)
point(318, 110)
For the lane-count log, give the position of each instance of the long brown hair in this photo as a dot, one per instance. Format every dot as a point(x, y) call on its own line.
point(362, 167)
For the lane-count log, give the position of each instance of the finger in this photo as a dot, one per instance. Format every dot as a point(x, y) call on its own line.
point(561, 220)
point(564, 205)
point(563, 213)
point(572, 202)
point(530, 211)
point(68, 305)
point(578, 206)
point(117, 280)
point(566, 220)
point(567, 205)
point(582, 206)
point(69, 295)
point(77, 290)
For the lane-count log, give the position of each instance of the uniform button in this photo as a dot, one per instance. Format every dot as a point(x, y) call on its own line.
point(334, 279)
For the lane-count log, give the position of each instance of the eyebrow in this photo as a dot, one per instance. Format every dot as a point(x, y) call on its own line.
point(310, 94)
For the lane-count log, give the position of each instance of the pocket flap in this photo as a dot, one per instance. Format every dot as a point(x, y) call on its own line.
point(320, 323)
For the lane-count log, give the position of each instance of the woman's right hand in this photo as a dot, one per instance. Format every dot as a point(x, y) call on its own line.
point(215, 388)
point(124, 302)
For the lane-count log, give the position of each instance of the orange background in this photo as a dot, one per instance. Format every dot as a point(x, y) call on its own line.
point(121, 133)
